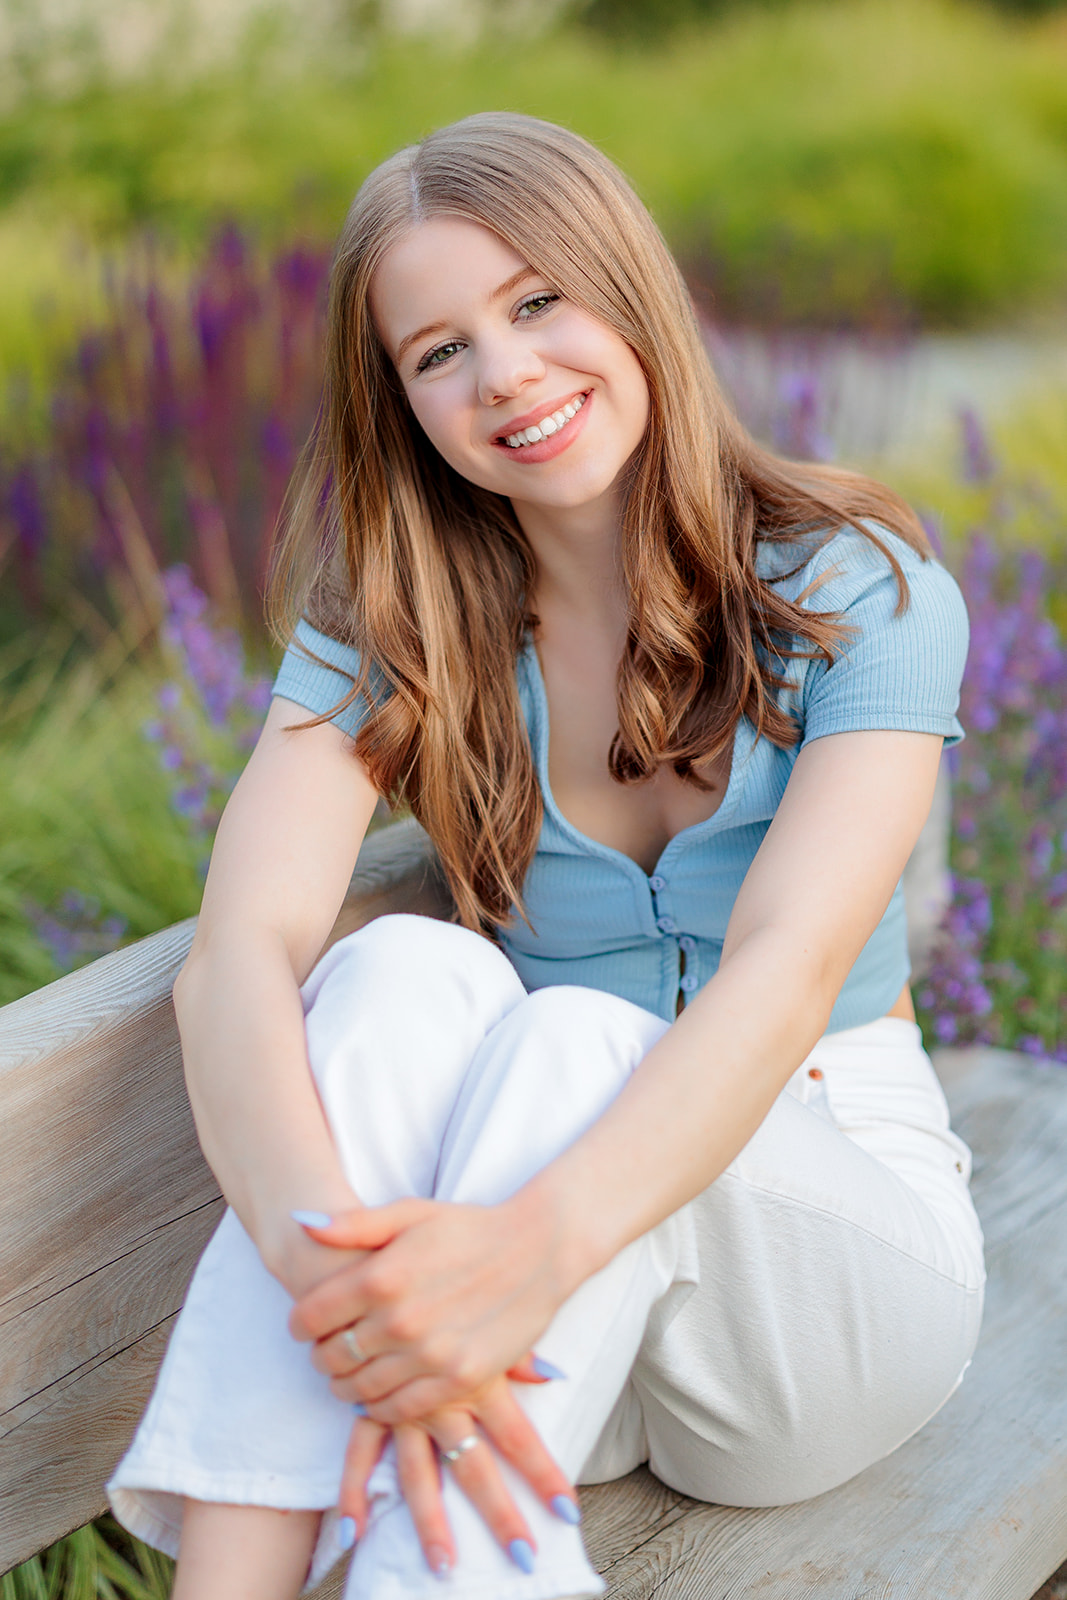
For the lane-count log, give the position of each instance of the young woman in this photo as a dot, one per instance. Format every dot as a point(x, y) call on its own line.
point(645, 1161)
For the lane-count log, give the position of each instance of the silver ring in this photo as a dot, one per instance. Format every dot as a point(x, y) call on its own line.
point(350, 1340)
point(462, 1447)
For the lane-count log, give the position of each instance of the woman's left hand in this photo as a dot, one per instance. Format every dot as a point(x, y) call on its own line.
point(491, 1418)
point(451, 1297)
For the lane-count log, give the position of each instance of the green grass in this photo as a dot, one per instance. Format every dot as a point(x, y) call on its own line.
point(817, 162)
point(99, 1562)
point(84, 806)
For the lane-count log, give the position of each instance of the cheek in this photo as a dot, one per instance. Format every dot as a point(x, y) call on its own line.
point(438, 421)
point(633, 392)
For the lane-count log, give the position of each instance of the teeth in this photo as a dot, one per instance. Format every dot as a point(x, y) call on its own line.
point(547, 426)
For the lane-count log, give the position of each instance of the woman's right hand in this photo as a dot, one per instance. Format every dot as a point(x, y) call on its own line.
point(493, 1417)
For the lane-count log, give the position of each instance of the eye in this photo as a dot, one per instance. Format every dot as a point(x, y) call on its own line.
point(535, 304)
point(430, 359)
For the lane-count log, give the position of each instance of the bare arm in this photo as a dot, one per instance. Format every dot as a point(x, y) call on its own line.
point(819, 884)
point(282, 862)
point(281, 865)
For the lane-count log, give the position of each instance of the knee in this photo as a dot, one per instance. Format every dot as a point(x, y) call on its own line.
point(414, 950)
point(579, 1045)
point(591, 1019)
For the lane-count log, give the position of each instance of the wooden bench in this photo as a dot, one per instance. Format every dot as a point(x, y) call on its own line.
point(109, 1202)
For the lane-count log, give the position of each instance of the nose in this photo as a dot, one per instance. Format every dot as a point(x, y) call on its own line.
point(507, 362)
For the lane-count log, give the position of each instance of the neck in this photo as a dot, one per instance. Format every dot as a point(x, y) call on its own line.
point(577, 550)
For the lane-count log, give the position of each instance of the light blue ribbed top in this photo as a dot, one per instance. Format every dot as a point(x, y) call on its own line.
point(597, 918)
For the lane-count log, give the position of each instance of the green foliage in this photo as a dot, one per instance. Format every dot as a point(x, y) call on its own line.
point(651, 19)
point(822, 162)
point(1023, 494)
point(99, 1562)
point(84, 808)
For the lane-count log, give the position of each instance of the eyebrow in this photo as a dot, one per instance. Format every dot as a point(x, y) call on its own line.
point(438, 327)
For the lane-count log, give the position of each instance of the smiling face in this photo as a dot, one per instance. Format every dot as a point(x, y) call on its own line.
point(520, 390)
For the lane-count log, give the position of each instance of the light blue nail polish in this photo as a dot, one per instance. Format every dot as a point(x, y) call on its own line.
point(545, 1369)
point(359, 1408)
point(521, 1552)
point(439, 1561)
point(346, 1532)
point(566, 1509)
point(312, 1219)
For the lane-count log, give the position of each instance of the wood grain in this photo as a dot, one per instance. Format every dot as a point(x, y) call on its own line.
point(114, 1201)
point(54, 1466)
point(53, 1342)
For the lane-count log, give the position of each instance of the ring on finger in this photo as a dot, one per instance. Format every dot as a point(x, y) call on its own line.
point(461, 1448)
point(350, 1340)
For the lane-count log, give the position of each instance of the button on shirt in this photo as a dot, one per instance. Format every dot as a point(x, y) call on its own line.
point(598, 919)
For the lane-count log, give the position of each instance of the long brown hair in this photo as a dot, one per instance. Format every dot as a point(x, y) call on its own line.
point(387, 548)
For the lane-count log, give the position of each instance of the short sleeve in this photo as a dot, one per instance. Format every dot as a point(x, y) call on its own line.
point(318, 684)
point(896, 672)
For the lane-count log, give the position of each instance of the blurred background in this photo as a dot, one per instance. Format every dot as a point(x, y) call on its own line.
point(869, 199)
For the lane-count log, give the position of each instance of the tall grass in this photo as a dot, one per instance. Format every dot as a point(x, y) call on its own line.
point(115, 764)
point(99, 1562)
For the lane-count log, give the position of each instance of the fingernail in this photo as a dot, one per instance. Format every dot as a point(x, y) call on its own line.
point(346, 1532)
point(566, 1509)
point(521, 1552)
point(545, 1369)
point(359, 1408)
point(312, 1219)
point(439, 1561)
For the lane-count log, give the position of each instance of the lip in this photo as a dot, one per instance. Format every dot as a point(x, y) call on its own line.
point(556, 443)
point(545, 409)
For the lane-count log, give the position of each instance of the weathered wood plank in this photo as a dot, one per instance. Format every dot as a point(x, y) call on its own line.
point(96, 1138)
point(114, 1200)
point(55, 1341)
point(90, 1072)
point(54, 1466)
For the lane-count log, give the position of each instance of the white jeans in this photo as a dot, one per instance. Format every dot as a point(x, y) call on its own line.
point(795, 1322)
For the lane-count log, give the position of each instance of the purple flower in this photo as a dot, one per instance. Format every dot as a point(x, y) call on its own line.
point(978, 466)
point(76, 931)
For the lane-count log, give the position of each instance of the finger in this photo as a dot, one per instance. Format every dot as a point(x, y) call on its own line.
point(347, 1295)
point(365, 1444)
point(331, 1305)
point(364, 1227)
point(342, 1353)
point(532, 1368)
point(410, 1402)
point(506, 1424)
point(420, 1482)
point(478, 1475)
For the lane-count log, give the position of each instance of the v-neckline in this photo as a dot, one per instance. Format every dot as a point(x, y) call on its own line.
point(743, 740)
